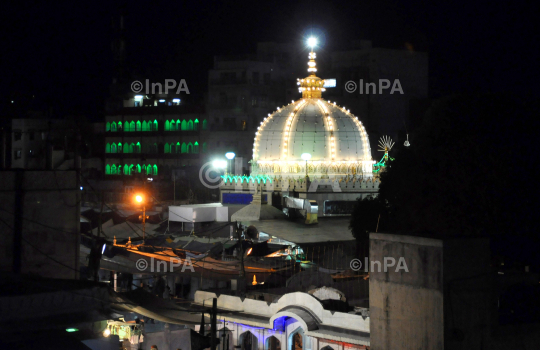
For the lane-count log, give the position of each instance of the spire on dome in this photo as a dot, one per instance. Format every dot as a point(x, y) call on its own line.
point(312, 86)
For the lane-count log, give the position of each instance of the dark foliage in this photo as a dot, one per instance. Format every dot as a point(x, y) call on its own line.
point(471, 169)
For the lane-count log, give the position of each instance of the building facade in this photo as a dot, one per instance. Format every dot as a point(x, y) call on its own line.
point(153, 136)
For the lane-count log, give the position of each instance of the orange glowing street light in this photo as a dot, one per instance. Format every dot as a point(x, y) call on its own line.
point(139, 199)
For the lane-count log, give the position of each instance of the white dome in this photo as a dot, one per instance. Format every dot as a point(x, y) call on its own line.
point(311, 125)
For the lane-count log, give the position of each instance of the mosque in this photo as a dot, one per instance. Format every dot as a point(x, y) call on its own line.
point(310, 155)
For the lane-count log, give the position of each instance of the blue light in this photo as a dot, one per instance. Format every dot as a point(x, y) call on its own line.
point(103, 248)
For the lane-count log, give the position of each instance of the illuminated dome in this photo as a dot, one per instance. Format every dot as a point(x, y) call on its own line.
point(335, 138)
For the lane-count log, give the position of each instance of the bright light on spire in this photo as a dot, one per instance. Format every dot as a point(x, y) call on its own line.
point(312, 42)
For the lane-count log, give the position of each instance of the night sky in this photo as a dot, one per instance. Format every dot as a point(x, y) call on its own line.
point(60, 52)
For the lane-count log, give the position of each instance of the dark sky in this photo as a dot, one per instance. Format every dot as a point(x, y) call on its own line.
point(60, 52)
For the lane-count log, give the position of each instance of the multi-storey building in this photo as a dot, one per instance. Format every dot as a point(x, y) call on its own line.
point(241, 92)
point(152, 136)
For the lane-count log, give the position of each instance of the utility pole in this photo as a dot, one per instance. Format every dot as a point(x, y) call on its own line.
point(213, 326)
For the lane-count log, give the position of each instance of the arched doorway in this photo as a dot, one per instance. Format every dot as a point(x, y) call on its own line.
point(296, 340)
point(272, 343)
point(248, 341)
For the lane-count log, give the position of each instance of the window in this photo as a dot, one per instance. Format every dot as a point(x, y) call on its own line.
point(144, 126)
point(113, 127)
point(183, 148)
point(204, 147)
point(184, 125)
point(190, 148)
point(167, 148)
point(196, 125)
point(138, 125)
point(107, 169)
point(190, 125)
point(17, 135)
point(204, 125)
point(113, 148)
point(120, 126)
point(255, 78)
point(17, 154)
point(107, 126)
point(196, 147)
point(222, 98)
point(107, 148)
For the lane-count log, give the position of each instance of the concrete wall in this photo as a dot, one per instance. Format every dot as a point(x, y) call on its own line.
point(442, 301)
point(49, 217)
point(406, 308)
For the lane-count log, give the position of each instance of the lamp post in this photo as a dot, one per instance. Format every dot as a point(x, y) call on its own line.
point(230, 156)
point(306, 157)
point(139, 199)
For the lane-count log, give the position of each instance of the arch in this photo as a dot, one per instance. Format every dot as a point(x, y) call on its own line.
point(144, 126)
point(226, 336)
point(184, 125)
point(155, 172)
point(248, 341)
point(177, 148)
point(173, 125)
point(204, 147)
point(126, 169)
point(113, 148)
point(155, 148)
point(196, 147)
point(138, 168)
point(178, 125)
point(130, 170)
point(119, 148)
point(107, 126)
point(113, 127)
point(132, 148)
point(126, 148)
point(132, 126)
point(190, 148)
point(190, 125)
point(149, 170)
point(155, 125)
point(138, 147)
point(196, 125)
point(272, 343)
point(108, 148)
point(107, 169)
point(167, 125)
point(183, 148)
point(204, 124)
point(138, 125)
point(126, 126)
point(166, 148)
point(113, 169)
point(120, 126)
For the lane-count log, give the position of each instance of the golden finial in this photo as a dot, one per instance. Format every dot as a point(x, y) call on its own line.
point(312, 86)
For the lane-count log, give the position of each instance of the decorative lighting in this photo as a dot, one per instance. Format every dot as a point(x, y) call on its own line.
point(306, 156)
point(219, 164)
point(230, 155)
point(312, 42)
point(106, 332)
point(71, 330)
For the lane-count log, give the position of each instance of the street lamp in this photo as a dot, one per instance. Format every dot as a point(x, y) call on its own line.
point(140, 199)
point(306, 157)
point(230, 156)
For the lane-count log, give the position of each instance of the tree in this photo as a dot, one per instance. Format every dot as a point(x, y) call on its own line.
point(470, 170)
point(364, 220)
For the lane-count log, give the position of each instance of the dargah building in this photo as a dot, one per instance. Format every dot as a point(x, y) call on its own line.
point(310, 155)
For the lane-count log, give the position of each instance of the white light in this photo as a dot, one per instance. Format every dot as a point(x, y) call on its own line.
point(219, 164)
point(103, 248)
point(138, 97)
point(106, 332)
point(230, 155)
point(306, 156)
point(176, 100)
point(312, 41)
point(161, 101)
